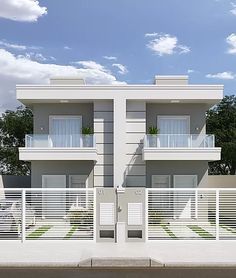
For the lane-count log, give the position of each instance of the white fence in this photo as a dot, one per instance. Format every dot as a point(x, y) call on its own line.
point(30, 214)
point(191, 214)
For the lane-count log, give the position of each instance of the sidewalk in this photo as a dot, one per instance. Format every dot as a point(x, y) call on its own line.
point(79, 254)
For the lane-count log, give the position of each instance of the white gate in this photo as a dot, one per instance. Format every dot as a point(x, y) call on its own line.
point(192, 213)
point(22, 214)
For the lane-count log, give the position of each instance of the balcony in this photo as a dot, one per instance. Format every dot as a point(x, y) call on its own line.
point(58, 147)
point(180, 147)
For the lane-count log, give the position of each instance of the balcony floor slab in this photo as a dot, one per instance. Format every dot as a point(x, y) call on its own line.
point(31, 154)
point(208, 154)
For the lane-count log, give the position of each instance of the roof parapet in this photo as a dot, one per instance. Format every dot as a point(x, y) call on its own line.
point(171, 80)
point(66, 81)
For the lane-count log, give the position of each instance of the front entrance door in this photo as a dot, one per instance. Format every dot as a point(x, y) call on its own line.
point(174, 131)
point(184, 200)
point(162, 199)
point(78, 198)
point(53, 202)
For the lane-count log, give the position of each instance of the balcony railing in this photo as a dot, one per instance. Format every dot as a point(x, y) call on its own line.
point(59, 141)
point(179, 141)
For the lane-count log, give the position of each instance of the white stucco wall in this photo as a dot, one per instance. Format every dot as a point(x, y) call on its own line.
point(103, 131)
point(219, 181)
point(135, 131)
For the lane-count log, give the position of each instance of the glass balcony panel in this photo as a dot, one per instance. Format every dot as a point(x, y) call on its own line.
point(179, 141)
point(59, 141)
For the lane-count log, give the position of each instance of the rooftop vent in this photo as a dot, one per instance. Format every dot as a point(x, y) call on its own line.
point(66, 81)
point(171, 80)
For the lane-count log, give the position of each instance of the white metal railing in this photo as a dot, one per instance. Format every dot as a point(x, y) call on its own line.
point(179, 141)
point(187, 213)
point(59, 141)
point(43, 213)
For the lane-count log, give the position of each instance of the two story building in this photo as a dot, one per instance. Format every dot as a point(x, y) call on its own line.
point(121, 140)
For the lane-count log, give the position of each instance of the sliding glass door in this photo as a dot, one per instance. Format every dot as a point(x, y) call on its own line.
point(65, 131)
point(174, 131)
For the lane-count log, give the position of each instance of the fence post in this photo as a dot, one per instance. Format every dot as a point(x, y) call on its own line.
point(23, 215)
point(95, 212)
point(196, 204)
point(217, 214)
point(146, 213)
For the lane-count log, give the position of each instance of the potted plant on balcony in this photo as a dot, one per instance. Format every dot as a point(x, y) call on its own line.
point(152, 132)
point(87, 138)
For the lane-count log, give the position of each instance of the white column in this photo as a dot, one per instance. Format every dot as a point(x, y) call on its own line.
point(119, 141)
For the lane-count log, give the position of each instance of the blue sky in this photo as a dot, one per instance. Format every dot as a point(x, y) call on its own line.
point(110, 41)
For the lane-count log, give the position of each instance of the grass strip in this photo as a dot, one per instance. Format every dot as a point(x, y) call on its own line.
point(71, 232)
point(39, 232)
point(200, 231)
point(228, 228)
point(168, 231)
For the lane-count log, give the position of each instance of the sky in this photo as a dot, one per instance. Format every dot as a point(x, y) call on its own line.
point(116, 42)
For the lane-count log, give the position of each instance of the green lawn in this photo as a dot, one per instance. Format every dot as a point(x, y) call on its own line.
point(200, 231)
point(71, 232)
point(168, 231)
point(229, 229)
point(39, 232)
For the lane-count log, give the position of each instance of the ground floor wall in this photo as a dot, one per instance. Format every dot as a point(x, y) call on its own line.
point(12, 181)
point(218, 181)
point(171, 168)
point(40, 168)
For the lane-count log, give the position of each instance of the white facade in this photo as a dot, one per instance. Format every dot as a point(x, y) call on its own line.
point(120, 125)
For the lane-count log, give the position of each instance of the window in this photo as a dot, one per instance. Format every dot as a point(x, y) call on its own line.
point(173, 124)
point(185, 181)
point(65, 130)
point(174, 131)
point(160, 181)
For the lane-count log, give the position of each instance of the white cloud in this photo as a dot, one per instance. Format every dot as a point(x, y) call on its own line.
point(67, 47)
point(233, 10)
point(231, 41)
point(36, 57)
point(226, 75)
point(110, 58)
point(122, 69)
point(165, 44)
point(190, 71)
point(39, 57)
point(183, 49)
point(13, 46)
point(91, 65)
point(18, 47)
point(151, 35)
point(21, 69)
point(21, 10)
